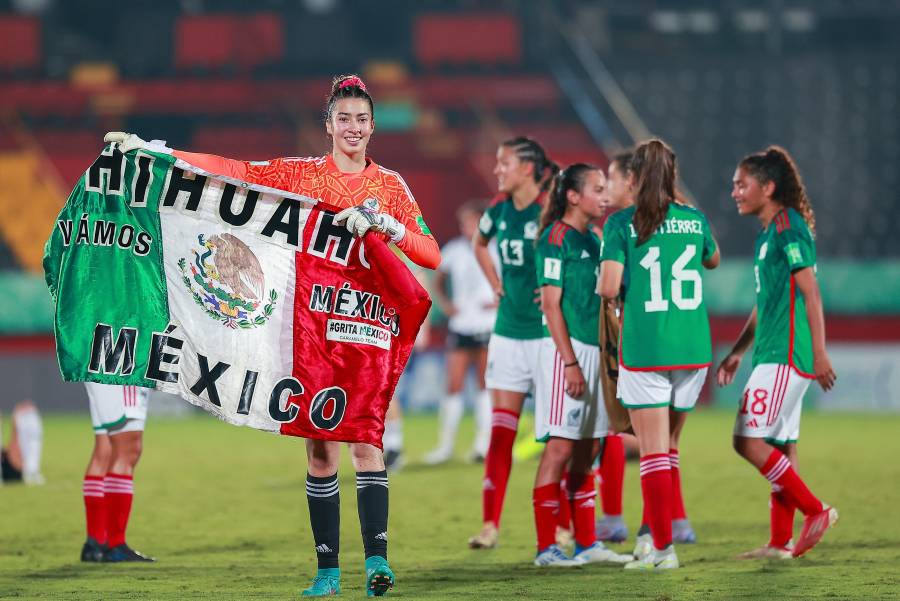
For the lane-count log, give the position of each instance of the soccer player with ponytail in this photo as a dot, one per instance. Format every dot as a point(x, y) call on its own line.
point(522, 170)
point(787, 332)
point(569, 414)
point(665, 347)
point(372, 198)
point(618, 195)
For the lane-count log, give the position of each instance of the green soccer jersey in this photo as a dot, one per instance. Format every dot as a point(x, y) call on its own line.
point(568, 259)
point(518, 316)
point(664, 321)
point(782, 330)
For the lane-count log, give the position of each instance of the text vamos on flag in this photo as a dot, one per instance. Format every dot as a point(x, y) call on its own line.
point(244, 300)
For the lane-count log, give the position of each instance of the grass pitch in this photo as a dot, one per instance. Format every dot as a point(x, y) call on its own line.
point(224, 511)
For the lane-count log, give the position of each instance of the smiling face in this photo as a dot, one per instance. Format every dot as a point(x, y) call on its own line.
point(749, 194)
point(350, 125)
point(592, 199)
point(510, 171)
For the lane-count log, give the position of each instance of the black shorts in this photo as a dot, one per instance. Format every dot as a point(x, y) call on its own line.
point(466, 342)
point(9, 473)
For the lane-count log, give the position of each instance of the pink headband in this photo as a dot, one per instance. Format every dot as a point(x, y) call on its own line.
point(352, 81)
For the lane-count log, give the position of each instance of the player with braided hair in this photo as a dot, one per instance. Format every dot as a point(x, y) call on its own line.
point(523, 172)
point(787, 331)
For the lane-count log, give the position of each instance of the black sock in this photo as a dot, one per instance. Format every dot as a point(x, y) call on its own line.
point(324, 500)
point(372, 503)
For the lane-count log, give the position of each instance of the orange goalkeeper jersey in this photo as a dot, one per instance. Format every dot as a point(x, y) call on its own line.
point(319, 178)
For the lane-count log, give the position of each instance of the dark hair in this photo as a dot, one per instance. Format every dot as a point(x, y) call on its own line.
point(622, 161)
point(776, 165)
point(347, 86)
point(570, 178)
point(529, 151)
point(653, 165)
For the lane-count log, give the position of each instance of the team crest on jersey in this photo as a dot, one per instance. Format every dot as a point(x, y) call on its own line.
point(226, 280)
point(762, 250)
point(531, 230)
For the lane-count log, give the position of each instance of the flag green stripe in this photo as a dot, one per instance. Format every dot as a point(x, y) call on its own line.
point(112, 272)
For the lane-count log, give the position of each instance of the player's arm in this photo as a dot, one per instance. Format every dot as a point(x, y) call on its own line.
point(610, 279)
point(440, 293)
point(711, 255)
point(483, 256)
point(551, 299)
point(273, 174)
point(729, 365)
point(815, 315)
point(612, 258)
point(713, 261)
point(215, 164)
point(422, 249)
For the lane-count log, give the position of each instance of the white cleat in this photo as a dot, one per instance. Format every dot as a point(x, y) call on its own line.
point(486, 539)
point(768, 552)
point(643, 546)
point(598, 553)
point(437, 457)
point(553, 556)
point(656, 560)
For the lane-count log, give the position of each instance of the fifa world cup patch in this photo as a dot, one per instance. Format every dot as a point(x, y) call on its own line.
point(793, 253)
point(422, 226)
point(485, 223)
point(552, 268)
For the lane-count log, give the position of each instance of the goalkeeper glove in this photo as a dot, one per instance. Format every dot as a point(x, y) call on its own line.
point(360, 219)
point(128, 142)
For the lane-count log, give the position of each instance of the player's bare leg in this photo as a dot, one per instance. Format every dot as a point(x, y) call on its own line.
point(393, 436)
point(654, 436)
point(482, 408)
point(777, 467)
point(682, 532)
point(507, 405)
point(95, 500)
point(451, 407)
point(26, 441)
point(126, 449)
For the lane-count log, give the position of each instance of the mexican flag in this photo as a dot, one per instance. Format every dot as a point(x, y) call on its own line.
point(246, 301)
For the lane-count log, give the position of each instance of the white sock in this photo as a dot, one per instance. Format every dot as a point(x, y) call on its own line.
point(483, 413)
point(393, 435)
point(450, 414)
point(31, 438)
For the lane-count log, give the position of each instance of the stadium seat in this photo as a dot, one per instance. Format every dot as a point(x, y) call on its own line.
point(21, 47)
point(490, 39)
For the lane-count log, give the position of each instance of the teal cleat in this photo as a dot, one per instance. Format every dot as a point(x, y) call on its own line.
point(379, 576)
point(326, 583)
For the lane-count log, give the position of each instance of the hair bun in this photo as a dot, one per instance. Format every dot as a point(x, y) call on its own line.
point(348, 81)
